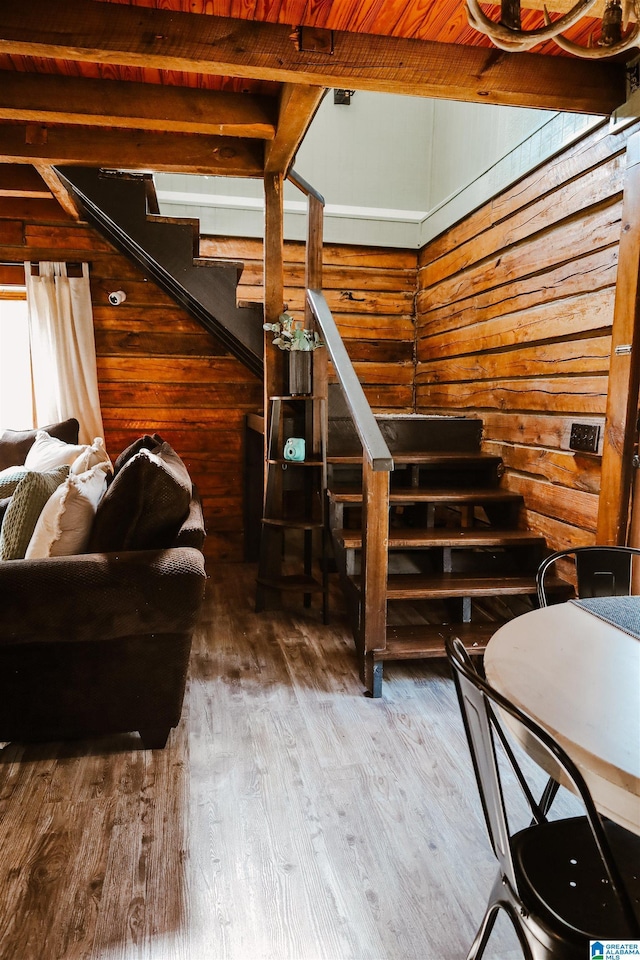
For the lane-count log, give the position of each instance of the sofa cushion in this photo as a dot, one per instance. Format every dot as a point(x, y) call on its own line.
point(64, 526)
point(146, 442)
point(145, 505)
point(15, 444)
point(26, 505)
point(10, 478)
point(48, 452)
point(92, 455)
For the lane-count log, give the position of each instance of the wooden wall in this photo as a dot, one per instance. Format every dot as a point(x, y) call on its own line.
point(371, 293)
point(159, 370)
point(514, 314)
point(511, 323)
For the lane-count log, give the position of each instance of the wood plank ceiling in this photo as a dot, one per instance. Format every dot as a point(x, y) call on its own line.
point(229, 87)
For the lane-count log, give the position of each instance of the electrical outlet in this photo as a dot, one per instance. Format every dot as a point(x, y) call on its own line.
point(584, 437)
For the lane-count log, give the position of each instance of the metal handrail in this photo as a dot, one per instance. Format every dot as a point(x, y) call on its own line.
point(373, 443)
point(377, 462)
point(304, 186)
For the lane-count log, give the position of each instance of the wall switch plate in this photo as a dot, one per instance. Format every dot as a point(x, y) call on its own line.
point(584, 437)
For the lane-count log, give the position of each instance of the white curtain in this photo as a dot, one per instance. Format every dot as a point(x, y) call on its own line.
point(63, 351)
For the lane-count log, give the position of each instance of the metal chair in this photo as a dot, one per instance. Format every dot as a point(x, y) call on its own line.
point(600, 571)
point(561, 882)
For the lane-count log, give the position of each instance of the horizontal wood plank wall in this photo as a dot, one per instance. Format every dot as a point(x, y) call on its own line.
point(159, 371)
point(371, 293)
point(514, 313)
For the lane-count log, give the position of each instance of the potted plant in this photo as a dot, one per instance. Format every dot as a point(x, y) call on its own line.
point(290, 335)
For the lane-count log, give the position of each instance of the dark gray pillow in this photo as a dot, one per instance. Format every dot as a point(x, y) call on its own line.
point(15, 444)
point(145, 505)
point(147, 442)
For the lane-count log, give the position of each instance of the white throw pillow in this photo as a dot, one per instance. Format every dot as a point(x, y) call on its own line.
point(91, 456)
point(65, 523)
point(49, 452)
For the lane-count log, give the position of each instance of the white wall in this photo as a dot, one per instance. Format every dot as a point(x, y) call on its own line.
point(469, 138)
point(371, 153)
point(392, 169)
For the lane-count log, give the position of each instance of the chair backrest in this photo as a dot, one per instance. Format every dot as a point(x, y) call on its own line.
point(477, 719)
point(482, 710)
point(600, 571)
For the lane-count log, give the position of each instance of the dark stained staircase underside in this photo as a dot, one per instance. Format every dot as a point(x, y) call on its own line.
point(120, 205)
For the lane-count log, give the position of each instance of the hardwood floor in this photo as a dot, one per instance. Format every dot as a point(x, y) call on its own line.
point(289, 818)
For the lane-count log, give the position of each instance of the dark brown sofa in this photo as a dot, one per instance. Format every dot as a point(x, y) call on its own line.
point(99, 643)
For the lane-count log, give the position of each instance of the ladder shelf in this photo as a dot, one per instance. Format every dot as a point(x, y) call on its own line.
point(294, 536)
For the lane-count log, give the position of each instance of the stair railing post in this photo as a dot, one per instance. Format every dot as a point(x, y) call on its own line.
point(313, 281)
point(377, 464)
point(375, 561)
point(273, 295)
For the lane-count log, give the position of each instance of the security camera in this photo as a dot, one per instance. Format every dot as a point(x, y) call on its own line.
point(117, 297)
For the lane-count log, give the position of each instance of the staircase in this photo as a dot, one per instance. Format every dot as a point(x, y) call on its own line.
point(458, 561)
point(123, 207)
point(443, 551)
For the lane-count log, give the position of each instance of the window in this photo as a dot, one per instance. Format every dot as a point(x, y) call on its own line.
point(16, 405)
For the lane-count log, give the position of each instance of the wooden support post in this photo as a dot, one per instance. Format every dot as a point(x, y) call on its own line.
point(273, 290)
point(375, 561)
point(313, 281)
point(624, 370)
point(313, 264)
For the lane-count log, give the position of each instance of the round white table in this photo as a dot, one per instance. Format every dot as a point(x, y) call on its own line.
point(579, 678)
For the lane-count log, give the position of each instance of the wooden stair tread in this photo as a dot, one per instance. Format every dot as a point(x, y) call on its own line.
point(418, 641)
point(479, 495)
point(427, 458)
point(445, 458)
point(418, 586)
point(414, 538)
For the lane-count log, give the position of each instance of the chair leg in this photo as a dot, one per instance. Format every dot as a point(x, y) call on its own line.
point(482, 937)
point(501, 898)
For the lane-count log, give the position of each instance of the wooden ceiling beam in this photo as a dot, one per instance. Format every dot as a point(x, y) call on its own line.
point(142, 106)
point(58, 190)
point(95, 147)
point(84, 30)
point(19, 180)
point(298, 105)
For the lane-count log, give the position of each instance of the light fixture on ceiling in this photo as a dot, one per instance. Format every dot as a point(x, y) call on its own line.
point(343, 97)
point(507, 34)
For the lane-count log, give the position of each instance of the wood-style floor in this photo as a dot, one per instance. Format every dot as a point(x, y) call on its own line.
point(289, 818)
